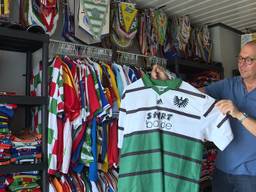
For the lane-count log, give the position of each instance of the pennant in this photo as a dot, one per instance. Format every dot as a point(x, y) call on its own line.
point(49, 3)
point(128, 15)
point(160, 25)
point(95, 12)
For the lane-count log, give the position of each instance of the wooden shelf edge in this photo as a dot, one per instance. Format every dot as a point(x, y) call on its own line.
point(12, 168)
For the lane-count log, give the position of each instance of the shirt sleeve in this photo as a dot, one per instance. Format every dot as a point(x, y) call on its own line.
point(215, 89)
point(121, 121)
point(217, 126)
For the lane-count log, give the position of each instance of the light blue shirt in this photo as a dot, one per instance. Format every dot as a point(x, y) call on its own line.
point(119, 81)
point(239, 157)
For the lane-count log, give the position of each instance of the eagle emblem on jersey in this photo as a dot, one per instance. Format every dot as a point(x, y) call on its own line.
point(180, 102)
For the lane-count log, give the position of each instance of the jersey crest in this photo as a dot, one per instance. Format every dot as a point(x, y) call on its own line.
point(180, 102)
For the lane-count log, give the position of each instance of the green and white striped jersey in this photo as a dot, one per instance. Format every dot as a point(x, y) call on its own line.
point(162, 127)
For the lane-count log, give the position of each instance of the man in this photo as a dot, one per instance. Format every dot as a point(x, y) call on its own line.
point(236, 165)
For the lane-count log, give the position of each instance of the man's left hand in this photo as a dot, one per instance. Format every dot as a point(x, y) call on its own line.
point(228, 107)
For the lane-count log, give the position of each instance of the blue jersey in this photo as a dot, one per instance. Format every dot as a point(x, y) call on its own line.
point(239, 158)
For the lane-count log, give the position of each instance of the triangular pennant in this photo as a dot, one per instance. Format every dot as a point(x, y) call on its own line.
point(44, 17)
point(128, 14)
point(49, 3)
point(96, 12)
point(160, 25)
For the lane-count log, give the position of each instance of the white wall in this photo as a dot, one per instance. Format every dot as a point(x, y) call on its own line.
point(13, 69)
point(226, 47)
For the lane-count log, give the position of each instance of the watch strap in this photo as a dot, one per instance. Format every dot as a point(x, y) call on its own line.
point(243, 117)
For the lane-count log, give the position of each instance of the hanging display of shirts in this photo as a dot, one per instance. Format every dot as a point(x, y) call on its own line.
point(165, 140)
point(107, 181)
point(82, 125)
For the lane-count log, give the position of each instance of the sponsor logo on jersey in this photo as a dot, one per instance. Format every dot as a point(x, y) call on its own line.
point(160, 120)
point(180, 102)
point(159, 102)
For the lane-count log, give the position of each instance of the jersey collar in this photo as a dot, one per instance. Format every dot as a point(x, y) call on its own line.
point(156, 83)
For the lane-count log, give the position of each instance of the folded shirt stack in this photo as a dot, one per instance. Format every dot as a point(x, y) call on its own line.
point(4, 123)
point(26, 148)
point(6, 113)
point(25, 181)
point(5, 149)
point(5, 181)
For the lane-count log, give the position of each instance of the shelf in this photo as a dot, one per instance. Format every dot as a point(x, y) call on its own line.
point(6, 169)
point(24, 100)
point(27, 42)
point(21, 41)
point(195, 64)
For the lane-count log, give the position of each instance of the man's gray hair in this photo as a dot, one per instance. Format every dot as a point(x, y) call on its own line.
point(252, 43)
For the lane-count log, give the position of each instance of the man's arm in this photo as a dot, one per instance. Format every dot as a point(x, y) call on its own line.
point(227, 107)
point(250, 124)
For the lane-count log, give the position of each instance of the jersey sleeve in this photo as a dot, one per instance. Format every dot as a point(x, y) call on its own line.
point(217, 126)
point(121, 121)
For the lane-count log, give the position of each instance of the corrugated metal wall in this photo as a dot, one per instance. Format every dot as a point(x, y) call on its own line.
point(238, 14)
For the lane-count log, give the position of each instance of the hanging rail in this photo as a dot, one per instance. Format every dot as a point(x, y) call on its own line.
point(78, 50)
point(57, 47)
point(133, 58)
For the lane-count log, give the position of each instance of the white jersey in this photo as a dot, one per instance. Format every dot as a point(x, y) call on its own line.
point(162, 127)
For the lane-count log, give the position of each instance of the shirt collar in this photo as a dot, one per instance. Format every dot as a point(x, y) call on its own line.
point(153, 83)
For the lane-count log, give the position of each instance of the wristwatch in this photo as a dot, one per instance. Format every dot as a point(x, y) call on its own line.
point(243, 117)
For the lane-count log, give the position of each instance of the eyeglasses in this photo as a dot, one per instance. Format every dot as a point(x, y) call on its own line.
point(247, 60)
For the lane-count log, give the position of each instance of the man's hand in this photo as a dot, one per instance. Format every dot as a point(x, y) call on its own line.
point(228, 107)
point(158, 72)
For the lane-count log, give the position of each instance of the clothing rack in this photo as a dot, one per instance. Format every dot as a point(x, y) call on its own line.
point(78, 50)
point(133, 58)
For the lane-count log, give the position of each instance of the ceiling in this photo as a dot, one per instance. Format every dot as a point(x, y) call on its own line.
point(237, 14)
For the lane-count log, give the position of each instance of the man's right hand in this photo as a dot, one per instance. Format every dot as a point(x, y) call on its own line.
point(158, 72)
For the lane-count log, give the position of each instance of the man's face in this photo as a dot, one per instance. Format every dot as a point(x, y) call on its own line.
point(247, 62)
